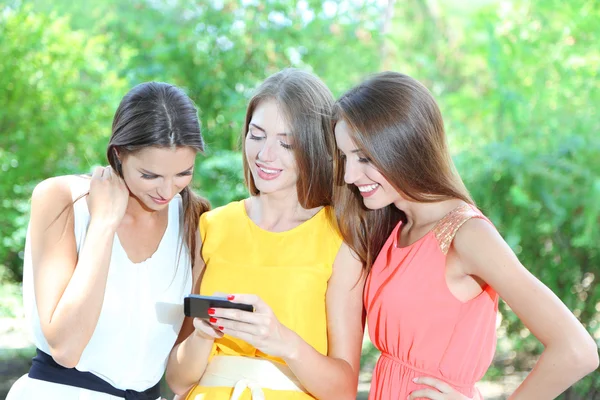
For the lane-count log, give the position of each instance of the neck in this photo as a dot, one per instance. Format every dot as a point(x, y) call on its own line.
point(420, 214)
point(136, 210)
point(278, 211)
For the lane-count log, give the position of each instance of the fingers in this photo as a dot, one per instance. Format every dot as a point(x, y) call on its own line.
point(252, 299)
point(435, 383)
point(205, 330)
point(103, 172)
point(239, 315)
point(426, 394)
point(97, 174)
point(257, 328)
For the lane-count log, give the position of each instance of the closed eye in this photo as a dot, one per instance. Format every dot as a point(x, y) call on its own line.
point(252, 136)
point(150, 177)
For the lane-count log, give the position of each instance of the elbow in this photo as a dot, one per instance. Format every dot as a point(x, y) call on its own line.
point(589, 359)
point(349, 391)
point(179, 390)
point(175, 384)
point(585, 357)
point(66, 357)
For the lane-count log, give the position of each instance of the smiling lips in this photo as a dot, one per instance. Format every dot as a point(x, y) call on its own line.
point(267, 173)
point(367, 190)
point(159, 201)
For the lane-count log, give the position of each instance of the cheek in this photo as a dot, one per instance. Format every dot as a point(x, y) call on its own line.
point(183, 181)
point(287, 159)
point(376, 176)
point(251, 148)
point(139, 184)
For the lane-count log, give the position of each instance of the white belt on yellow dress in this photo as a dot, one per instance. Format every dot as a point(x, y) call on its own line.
point(241, 373)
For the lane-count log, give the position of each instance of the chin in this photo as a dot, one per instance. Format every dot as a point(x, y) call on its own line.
point(374, 205)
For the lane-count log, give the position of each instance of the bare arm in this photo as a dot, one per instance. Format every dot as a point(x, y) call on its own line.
point(334, 376)
point(69, 289)
point(570, 352)
point(189, 356)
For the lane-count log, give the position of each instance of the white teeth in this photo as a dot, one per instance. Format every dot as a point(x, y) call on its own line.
point(368, 188)
point(269, 171)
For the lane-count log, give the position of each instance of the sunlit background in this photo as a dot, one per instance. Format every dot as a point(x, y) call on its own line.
point(516, 80)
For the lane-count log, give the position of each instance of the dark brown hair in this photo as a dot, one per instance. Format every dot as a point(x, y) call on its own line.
point(156, 114)
point(307, 104)
point(396, 123)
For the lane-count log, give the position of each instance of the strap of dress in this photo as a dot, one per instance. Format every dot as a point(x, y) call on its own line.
point(447, 227)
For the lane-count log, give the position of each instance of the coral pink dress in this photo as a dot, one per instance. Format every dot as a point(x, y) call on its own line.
point(418, 325)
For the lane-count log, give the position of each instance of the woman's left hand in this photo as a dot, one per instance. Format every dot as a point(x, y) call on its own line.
point(438, 390)
point(260, 328)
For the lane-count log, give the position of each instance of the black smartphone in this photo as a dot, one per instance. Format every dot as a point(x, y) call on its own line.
point(197, 306)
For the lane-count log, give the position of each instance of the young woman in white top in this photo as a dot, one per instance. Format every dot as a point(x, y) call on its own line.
point(108, 259)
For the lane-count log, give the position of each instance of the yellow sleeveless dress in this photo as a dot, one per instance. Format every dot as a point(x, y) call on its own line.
point(288, 270)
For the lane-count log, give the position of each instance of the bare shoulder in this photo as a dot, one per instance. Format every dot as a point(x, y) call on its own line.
point(475, 231)
point(52, 195)
point(478, 244)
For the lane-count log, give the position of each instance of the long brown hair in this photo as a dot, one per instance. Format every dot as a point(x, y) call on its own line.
point(161, 115)
point(395, 122)
point(307, 105)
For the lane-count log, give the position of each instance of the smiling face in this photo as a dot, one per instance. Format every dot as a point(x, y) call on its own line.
point(154, 175)
point(268, 150)
point(376, 191)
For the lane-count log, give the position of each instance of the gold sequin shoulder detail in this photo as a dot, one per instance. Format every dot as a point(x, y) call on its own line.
point(447, 227)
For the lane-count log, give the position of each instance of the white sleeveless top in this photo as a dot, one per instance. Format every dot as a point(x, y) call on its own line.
point(142, 311)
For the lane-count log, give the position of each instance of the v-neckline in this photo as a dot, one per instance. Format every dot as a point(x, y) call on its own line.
point(162, 239)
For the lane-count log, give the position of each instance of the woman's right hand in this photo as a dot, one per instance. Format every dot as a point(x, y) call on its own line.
point(205, 330)
point(108, 196)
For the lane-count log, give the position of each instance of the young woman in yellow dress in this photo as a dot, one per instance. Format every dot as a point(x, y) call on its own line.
point(278, 250)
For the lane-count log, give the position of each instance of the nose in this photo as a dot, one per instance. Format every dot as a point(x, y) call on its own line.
point(351, 172)
point(268, 150)
point(167, 189)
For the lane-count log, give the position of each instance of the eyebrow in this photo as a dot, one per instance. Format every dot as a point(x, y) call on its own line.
point(145, 171)
point(263, 130)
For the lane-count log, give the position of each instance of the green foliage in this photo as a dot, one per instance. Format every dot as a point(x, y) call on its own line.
point(58, 92)
point(517, 82)
point(221, 178)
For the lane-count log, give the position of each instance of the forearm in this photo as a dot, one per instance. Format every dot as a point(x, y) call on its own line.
point(322, 376)
point(555, 372)
point(187, 362)
point(76, 315)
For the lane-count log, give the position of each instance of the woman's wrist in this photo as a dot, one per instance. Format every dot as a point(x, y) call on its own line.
point(294, 344)
point(198, 334)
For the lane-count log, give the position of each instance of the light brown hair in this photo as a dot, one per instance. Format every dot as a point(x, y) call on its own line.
point(306, 103)
point(396, 123)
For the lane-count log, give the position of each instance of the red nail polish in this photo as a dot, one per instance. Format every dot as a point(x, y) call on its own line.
point(211, 311)
point(230, 297)
point(221, 328)
point(213, 320)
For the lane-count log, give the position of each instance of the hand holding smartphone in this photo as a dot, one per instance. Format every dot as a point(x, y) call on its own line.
point(197, 306)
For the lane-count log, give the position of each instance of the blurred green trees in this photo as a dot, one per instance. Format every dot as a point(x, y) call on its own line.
point(517, 82)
